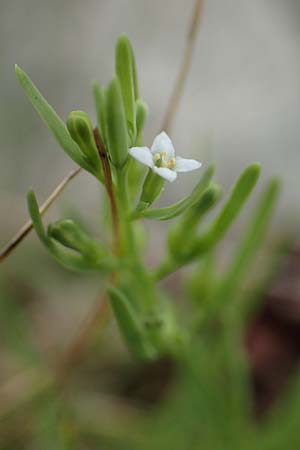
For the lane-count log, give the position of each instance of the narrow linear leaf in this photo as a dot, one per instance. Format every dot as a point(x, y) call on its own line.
point(117, 137)
point(193, 215)
point(99, 99)
point(51, 119)
point(34, 213)
point(129, 324)
point(141, 117)
point(253, 238)
point(185, 229)
point(134, 73)
point(239, 195)
point(125, 72)
point(172, 211)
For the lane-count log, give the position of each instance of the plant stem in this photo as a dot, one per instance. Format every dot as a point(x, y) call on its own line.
point(144, 287)
point(129, 245)
point(109, 189)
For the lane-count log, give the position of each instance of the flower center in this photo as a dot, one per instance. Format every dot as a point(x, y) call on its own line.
point(162, 160)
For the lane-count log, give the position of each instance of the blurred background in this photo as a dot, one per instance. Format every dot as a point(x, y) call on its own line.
point(241, 104)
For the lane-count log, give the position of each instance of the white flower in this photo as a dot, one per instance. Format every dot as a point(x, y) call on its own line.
point(161, 158)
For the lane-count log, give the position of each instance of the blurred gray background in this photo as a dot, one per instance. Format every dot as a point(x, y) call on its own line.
point(241, 102)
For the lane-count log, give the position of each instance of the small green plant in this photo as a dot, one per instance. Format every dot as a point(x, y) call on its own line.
point(133, 177)
point(210, 404)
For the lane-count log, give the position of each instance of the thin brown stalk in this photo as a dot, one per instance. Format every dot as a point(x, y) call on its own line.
point(25, 230)
point(77, 348)
point(109, 188)
point(184, 68)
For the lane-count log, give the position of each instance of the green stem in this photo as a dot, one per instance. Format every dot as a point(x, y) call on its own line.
point(129, 246)
point(128, 242)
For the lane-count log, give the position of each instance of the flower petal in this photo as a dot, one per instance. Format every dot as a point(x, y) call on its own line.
point(143, 155)
point(165, 173)
point(163, 144)
point(186, 165)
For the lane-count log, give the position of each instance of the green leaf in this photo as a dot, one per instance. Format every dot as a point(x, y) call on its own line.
point(34, 213)
point(198, 246)
point(134, 73)
point(125, 70)
point(185, 229)
point(239, 195)
point(141, 117)
point(129, 324)
point(117, 138)
point(253, 238)
point(52, 120)
point(195, 213)
point(172, 211)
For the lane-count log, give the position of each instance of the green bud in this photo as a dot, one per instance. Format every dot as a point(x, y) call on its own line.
point(116, 128)
point(70, 235)
point(152, 188)
point(81, 130)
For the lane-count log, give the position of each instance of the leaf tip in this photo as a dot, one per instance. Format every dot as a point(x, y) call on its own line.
point(19, 72)
point(255, 167)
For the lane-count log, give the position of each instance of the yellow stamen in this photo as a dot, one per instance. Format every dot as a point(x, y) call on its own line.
point(171, 163)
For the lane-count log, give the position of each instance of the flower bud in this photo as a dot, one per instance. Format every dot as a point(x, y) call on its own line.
point(69, 234)
point(152, 188)
point(81, 130)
